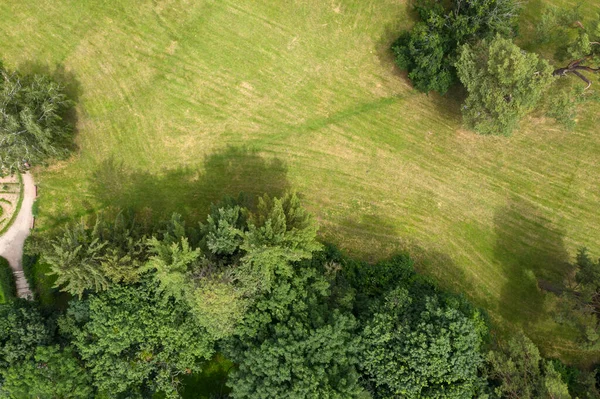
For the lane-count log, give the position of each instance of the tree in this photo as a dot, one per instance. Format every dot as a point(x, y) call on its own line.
point(92, 258)
point(503, 83)
point(422, 347)
point(428, 52)
point(22, 329)
point(294, 343)
point(280, 231)
point(133, 339)
point(52, 373)
point(32, 124)
point(580, 302)
point(581, 48)
point(518, 371)
point(416, 341)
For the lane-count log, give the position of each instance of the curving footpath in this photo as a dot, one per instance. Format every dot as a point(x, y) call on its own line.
point(11, 242)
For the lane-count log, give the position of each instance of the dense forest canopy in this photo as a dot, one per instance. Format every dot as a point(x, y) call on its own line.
point(151, 304)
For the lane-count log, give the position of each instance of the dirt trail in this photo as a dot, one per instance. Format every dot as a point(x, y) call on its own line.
point(11, 242)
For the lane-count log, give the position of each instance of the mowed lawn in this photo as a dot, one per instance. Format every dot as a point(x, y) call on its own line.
point(182, 102)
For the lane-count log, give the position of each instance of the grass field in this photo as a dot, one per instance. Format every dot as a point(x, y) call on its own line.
point(181, 102)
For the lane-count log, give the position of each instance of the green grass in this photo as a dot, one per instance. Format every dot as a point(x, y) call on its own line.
point(182, 102)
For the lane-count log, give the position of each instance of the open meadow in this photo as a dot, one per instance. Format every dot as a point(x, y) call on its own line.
point(181, 102)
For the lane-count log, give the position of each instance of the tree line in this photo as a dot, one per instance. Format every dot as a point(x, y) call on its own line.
point(471, 42)
point(153, 303)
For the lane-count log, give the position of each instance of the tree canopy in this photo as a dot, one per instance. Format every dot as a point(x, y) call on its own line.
point(132, 339)
point(503, 82)
point(429, 51)
point(295, 343)
point(33, 127)
point(295, 318)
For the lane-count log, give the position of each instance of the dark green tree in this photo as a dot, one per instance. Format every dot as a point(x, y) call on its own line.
point(428, 52)
point(93, 254)
point(580, 302)
point(32, 124)
point(133, 339)
point(422, 347)
point(53, 373)
point(295, 343)
point(417, 341)
point(22, 329)
point(503, 83)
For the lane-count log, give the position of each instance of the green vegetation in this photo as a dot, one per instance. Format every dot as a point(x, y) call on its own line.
point(17, 207)
point(8, 290)
point(503, 83)
point(430, 49)
point(520, 372)
point(180, 104)
point(310, 322)
point(32, 127)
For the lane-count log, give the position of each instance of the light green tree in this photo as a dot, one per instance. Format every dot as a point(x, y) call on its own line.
point(280, 232)
point(503, 82)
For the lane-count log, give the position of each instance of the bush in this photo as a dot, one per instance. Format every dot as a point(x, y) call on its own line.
point(7, 282)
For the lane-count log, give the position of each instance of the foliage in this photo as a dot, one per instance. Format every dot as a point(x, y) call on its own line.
point(32, 125)
point(581, 382)
point(294, 343)
point(563, 102)
point(429, 50)
point(518, 371)
point(8, 288)
point(245, 250)
point(22, 329)
point(223, 232)
point(172, 258)
point(580, 303)
point(85, 258)
point(37, 271)
point(417, 342)
point(131, 339)
point(52, 373)
point(503, 83)
point(279, 232)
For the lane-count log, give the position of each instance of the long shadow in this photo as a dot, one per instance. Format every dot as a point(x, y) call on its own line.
point(528, 248)
point(381, 241)
point(189, 191)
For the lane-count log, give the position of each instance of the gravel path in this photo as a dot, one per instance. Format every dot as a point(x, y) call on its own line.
point(11, 242)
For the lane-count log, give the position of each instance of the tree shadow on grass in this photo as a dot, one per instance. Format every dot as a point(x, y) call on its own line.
point(528, 247)
point(378, 240)
point(189, 191)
